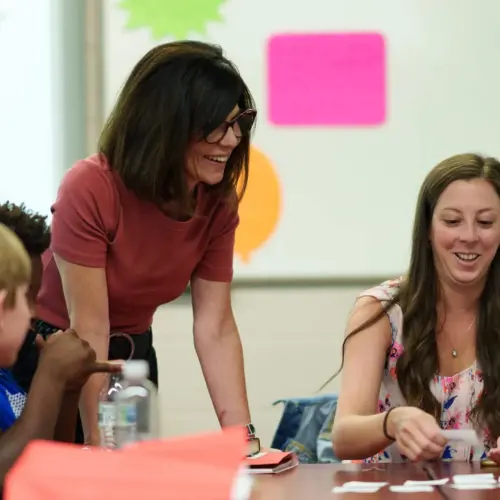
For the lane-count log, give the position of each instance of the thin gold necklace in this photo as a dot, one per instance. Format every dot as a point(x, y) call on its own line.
point(454, 352)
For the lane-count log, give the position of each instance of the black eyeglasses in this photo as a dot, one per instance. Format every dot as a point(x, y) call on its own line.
point(241, 125)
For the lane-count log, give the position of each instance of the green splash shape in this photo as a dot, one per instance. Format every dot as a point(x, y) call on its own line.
point(172, 18)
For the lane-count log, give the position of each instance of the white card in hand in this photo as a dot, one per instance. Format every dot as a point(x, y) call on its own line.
point(467, 436)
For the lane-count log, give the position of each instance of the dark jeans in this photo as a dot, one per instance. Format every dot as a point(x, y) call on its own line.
point(119, 348)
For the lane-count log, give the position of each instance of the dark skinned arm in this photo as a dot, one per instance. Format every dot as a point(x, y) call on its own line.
point(38, 421)
point(68, 414)
point(67, 419)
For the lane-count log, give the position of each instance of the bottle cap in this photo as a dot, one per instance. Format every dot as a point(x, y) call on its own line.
point(136, 369)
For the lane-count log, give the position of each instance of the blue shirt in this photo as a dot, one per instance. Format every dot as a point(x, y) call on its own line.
point(12, 399)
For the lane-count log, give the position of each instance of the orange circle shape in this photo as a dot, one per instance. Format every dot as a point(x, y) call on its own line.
point(260, 208)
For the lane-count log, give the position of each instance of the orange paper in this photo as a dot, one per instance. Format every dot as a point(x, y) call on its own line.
point(179, 469)
point(203, 448)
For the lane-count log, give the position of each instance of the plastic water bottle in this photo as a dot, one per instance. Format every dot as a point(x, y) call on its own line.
point(137, 414)
point(107, 410)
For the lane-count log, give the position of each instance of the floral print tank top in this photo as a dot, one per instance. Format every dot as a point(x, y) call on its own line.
point(457, 393)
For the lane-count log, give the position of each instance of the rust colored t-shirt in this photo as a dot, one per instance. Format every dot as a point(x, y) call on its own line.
point(149, 258)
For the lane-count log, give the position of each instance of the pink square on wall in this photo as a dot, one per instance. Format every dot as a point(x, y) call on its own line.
point(335, 79)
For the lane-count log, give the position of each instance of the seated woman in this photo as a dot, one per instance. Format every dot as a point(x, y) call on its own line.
point(421, 352)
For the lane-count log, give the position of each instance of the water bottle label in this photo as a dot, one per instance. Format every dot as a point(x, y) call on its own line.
point(107, 414)
point(127, 414)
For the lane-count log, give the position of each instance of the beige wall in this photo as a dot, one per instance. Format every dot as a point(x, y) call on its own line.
point(291, 339)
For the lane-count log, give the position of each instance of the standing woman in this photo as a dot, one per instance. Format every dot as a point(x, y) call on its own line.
point(154, 210)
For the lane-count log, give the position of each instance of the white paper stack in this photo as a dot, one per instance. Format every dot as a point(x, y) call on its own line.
point(474, 482)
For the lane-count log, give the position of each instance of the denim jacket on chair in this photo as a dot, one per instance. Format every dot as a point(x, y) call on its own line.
point(305, 427)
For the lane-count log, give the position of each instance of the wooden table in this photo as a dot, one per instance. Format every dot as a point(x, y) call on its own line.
point(315, 482)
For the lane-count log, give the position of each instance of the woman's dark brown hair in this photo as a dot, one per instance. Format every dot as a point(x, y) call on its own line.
point(176, 94)
point(419, 293)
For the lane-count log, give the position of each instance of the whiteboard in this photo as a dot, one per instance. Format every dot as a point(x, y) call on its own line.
point(29, 88)
point(404, 84)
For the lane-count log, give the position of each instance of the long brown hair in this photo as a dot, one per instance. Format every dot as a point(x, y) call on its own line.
point(177, 93)
point(418, 296)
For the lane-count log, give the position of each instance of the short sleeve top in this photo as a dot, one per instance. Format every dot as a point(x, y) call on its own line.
point(457, 394)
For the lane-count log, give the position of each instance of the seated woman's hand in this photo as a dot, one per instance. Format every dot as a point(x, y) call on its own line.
point(494, 453)
point(417, 433)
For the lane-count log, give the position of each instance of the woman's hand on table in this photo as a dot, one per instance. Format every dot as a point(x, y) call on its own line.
point(494, 453)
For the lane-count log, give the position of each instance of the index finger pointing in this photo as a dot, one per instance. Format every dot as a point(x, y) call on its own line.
point(106, 367)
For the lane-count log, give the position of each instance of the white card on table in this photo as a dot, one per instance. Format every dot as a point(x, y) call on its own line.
point(242, 485)
point(359, 487)
point(429, 482)
point(364, 484)
point(488, 478)
point(474, 486)
point(355, 489)
point(405, 488)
